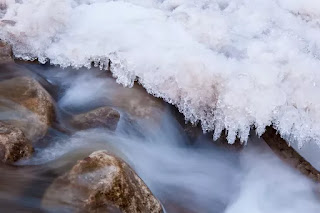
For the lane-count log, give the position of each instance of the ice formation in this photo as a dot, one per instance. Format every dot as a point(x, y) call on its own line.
point(230, 64)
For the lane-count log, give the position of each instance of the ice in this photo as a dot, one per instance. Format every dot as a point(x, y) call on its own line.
point(231, 65)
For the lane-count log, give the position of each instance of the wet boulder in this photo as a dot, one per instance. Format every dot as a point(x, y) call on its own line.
point(101, 183)
point(105, 117)
point(5, 52)
point(13, 144)
point(22, 118)
point(27, 95)
point(139, 104)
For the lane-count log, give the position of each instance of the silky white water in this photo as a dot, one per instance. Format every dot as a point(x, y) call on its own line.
point(232, 65)
point(186, 175)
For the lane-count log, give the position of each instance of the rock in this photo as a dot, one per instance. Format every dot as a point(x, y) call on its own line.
point(280, 147)
point(22, 118)
point(13, 144)
point(139, 104)
point(101, 117)
point(28, 93)
point(5, 53)
point(101, 183)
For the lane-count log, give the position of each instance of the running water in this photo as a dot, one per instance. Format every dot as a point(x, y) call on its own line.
point(228, 64)
point(231, 64)
point(186, 175)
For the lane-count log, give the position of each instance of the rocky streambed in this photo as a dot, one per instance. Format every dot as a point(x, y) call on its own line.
point(76, 141)
point(100, 182)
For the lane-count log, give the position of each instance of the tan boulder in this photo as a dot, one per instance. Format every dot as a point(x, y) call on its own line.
point(27, 93)
point(13, 144)
point(22, 118)
point(101, 183)
point(101, 117)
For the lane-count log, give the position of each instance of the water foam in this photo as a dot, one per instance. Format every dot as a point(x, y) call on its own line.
point(231, 65)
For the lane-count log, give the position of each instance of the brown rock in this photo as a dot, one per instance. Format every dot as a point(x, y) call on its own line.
point(13, 144)
point(101, 117)
point(5, 53)
point(101, 183)
point(280, 147)
point(22, 118)
point(139, 104)
point(28, 93)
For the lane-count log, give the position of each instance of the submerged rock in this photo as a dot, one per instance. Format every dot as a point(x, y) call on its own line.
point(28, 93)
point(101, 183)
point(101, 117)
point(5, 53)
point(139, 104)
point(13, 144)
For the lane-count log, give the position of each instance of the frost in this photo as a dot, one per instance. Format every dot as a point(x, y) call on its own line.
point(231, 65)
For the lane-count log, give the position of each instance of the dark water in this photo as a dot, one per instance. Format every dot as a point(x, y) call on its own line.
point(187, 174)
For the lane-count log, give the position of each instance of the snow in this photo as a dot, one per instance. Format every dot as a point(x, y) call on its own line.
point(231, 65)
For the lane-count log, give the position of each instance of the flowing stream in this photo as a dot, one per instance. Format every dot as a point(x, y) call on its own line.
point(187, 174)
